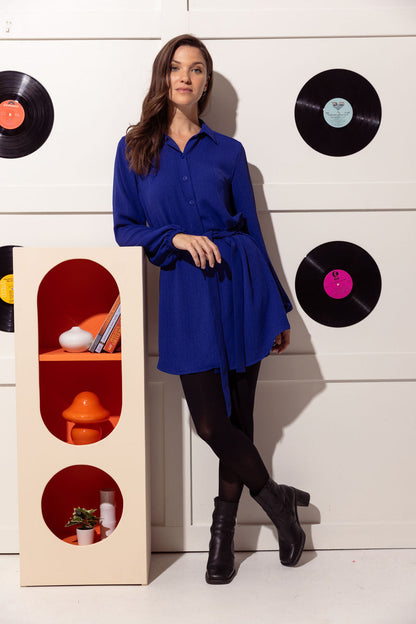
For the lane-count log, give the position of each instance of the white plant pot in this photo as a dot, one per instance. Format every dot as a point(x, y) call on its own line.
point(75, 340)
point(85, 537)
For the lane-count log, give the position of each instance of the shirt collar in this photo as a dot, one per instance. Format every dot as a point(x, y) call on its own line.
point(207, 130)
point(204, 130)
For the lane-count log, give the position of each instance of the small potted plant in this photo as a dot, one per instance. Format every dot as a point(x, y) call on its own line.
point(85, 521)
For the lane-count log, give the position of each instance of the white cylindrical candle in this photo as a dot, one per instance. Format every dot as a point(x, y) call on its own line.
point(107, 513)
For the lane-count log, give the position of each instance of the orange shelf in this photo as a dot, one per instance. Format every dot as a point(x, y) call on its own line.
point(54, 355)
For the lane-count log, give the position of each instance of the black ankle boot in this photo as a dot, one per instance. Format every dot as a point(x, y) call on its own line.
point(280, 503)
point(220, 566)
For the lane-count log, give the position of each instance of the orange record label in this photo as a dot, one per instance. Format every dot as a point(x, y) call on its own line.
point(12, 114)
point(6, 289)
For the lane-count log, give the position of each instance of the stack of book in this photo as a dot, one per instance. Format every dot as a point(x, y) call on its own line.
point(109, 334)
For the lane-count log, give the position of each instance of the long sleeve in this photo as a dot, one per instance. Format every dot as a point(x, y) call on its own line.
point(130, 223)
point(244, 201)
point(206, 317)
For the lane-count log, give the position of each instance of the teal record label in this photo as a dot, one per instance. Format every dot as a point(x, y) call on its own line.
point(338, 112)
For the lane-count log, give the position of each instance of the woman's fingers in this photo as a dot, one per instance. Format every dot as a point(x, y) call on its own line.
point(281, 342)
point(204, 252)
point(201, 248)
point(195, 251)
point(216, 252)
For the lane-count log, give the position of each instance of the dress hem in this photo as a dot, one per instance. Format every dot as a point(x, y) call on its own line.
point(216, 368)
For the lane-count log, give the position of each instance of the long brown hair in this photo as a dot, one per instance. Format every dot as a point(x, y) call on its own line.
point(144, 140)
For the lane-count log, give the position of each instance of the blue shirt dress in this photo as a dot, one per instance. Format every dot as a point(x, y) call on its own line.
point(223, 318)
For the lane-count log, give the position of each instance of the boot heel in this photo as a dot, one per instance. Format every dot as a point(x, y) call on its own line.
point(302, 498)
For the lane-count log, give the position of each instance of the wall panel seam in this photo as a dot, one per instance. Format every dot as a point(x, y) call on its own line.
point(214, 38)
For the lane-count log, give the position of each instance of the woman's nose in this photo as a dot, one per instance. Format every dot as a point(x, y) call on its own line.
point(185, 77)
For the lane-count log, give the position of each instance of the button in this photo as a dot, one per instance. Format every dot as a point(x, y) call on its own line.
point(185, 178)
point(191, 202)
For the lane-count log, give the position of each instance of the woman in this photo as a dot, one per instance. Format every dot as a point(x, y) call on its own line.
point(183, 192)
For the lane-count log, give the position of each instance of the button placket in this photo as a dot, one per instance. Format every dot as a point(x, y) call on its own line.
point(190, 201)
point(186, 184)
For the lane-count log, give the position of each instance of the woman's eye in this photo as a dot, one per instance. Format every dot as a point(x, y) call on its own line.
point(197, 70)
point(173, 68)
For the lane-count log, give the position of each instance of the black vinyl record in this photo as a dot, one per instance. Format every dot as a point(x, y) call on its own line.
point(338, 284)
point(6, 289)
point(338, 112)
point(26, 114)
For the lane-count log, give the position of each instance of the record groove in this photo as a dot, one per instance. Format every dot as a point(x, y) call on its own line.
point(338, 112)
point(26, 114)
point(338, 284)
point(6, 289)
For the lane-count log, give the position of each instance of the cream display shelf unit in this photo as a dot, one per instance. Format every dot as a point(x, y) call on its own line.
point(56, 289)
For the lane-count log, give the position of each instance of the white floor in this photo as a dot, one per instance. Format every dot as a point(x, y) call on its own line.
point(327, 587)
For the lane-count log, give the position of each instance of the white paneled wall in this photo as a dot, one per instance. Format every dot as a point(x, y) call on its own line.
point(96, 88)
point(335, 413)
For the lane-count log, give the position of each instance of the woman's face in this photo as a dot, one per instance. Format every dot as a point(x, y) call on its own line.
point(188, 77)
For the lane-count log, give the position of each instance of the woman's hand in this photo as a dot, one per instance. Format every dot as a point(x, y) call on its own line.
point(201, 248)
point(281, 342)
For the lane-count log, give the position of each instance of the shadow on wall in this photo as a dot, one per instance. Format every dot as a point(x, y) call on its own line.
point(274, 412)
point(221, 112)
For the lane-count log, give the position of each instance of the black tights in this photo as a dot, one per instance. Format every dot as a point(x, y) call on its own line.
point(231, 439)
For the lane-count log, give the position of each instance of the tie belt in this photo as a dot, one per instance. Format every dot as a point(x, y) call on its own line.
point(235, 243)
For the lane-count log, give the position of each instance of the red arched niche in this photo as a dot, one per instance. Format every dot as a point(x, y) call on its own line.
point(76, 486)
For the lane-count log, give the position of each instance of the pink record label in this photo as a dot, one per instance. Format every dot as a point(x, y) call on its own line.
point(338, 284)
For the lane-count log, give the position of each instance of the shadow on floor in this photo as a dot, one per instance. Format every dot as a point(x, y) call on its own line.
point(159, 565)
